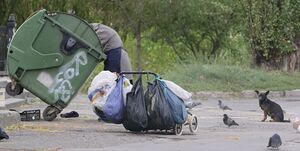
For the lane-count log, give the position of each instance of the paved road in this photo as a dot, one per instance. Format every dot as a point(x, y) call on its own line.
point(86, 133)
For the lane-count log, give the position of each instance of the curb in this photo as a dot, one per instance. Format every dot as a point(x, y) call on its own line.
point(8, 118)
point(15, 102)
point(248, 94)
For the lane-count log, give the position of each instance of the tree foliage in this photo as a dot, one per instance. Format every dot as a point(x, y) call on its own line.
point(272, 29)
point(195, 27)
point(189, 29)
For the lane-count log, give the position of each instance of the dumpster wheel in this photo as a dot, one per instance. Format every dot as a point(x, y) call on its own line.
point(50, 113)
point(13, 89)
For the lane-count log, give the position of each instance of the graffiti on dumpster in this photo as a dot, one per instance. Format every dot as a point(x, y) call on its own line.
point(62, 87)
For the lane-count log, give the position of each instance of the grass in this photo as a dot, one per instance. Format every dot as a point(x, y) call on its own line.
point(228, 78)
point(203, 77)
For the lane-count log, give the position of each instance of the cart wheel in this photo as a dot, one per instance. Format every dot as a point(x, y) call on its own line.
point(193, 124)
point(21, 91)
point(178, 129)
point(13, 90)
point(50, 113)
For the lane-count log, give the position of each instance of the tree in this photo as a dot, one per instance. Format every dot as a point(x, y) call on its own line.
point(201, 27)
point(273, 29)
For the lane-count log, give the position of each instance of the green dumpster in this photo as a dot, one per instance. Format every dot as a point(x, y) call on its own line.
point(51, 55)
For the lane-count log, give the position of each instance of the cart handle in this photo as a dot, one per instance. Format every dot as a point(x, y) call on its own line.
point(139, 72)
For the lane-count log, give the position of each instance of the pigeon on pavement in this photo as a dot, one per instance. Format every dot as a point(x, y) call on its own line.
point(228, 121)
point(191, 104)
point(223, 106)
point(274, 141)
point(296, 124)
point(3, 135)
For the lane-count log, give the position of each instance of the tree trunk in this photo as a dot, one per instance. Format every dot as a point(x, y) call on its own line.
point(215, 46)
point(289, 62)
point(297, 46)
point(138, 37)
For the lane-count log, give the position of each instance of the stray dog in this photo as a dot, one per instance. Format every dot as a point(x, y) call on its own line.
point(270, 108)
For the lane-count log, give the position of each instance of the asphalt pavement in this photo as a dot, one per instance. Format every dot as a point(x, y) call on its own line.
point(87, 133)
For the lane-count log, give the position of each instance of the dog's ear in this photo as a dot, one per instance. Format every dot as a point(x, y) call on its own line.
point(257, 92)
point(267, 92)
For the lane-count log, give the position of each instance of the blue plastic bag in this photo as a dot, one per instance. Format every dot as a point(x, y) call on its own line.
point(177, 106)
point(114, 107)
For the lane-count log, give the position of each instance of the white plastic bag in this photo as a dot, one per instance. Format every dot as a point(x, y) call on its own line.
point(180, 92)
point(127, 86)
point(101, 86)
point(104, 75)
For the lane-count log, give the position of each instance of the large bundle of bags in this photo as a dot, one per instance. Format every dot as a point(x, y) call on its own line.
point(115, 100)
point(159, 108)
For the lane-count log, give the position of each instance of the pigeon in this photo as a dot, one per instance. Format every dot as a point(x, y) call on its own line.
point(296, 124)
point(228, 121)
point(191, 104)
point(274, 141)
point(3, 135)
point(223, 106)
point(70, 114)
